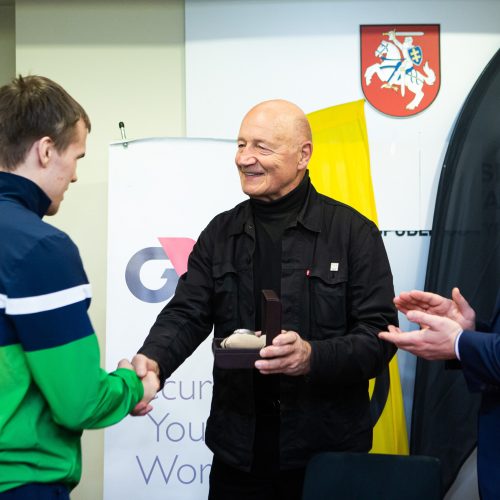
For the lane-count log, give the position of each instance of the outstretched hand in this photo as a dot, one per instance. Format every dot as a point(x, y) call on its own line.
point(457, 308)
point(435, 341)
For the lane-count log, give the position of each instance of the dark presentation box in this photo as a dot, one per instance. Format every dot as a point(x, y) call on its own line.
point(271, 326)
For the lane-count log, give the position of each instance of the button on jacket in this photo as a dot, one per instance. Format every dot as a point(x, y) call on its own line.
point(336, 292)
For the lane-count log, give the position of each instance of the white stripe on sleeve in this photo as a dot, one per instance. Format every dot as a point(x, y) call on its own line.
point(47, 302)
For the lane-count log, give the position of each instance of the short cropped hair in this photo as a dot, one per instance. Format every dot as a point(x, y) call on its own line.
point(32, 107)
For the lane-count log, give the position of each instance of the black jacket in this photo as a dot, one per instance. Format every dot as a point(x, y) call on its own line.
point(336, 292)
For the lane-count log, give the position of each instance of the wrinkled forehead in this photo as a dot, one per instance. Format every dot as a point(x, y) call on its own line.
point(268, 125)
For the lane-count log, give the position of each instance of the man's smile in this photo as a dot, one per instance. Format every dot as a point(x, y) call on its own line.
point(251, 174)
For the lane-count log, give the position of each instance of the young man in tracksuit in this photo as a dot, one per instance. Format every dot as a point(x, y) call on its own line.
point(51, 385)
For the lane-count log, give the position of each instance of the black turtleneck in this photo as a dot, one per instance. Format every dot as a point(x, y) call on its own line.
point(271, 221)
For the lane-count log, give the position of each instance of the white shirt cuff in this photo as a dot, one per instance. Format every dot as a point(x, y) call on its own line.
point(457, 352)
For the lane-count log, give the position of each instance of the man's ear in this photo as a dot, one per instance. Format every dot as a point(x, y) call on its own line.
point(44, 149)
point(305, 155)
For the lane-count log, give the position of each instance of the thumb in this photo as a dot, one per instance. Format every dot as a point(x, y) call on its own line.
point(459, 299)
point(139, 362)
point(394, 329)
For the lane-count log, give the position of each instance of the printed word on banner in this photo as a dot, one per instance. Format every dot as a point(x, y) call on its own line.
point(400, 67)
point(162, 193)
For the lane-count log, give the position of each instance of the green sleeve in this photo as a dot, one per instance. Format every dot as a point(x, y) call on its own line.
point(79, 393)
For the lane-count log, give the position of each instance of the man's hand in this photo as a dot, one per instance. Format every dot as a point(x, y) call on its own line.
point(456, 309)
point(149, 372)
point(142, 364)
point(151, 384)
point(290, 355)
point(435, 341)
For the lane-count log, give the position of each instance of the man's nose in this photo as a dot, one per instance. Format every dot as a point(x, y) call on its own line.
point(245, 158)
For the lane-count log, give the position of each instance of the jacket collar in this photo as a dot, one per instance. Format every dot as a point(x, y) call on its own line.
point(310, 215)
point(242, 222)
point(25, 192)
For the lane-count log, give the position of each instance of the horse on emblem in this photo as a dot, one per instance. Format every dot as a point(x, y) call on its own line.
point(397, 72)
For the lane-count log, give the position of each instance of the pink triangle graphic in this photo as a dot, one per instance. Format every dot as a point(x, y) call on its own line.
point(178, 250)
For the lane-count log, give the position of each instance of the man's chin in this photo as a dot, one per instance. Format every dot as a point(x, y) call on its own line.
point(252, 189)
point(53, 209)
point(252, 193)
point(257, 195)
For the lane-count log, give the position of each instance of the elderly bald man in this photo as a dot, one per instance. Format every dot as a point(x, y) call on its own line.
point(328, 264)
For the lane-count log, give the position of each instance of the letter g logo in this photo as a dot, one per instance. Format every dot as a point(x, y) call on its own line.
point(176, 250)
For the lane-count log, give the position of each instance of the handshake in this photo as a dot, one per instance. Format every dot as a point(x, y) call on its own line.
point(149, 373)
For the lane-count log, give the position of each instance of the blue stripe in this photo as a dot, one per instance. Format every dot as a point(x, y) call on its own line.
point(53, 328)
point(53, 264)
point(8, 334)
point(36, 257)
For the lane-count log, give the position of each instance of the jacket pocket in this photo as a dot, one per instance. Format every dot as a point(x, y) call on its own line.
point(225, 298)
point(328, 299)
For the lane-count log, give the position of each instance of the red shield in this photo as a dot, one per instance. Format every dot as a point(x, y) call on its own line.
point(400, 67)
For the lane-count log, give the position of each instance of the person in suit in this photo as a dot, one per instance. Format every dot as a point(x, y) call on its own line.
point(449, 330)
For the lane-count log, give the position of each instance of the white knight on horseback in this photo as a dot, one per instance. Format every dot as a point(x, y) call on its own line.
point(396, 70)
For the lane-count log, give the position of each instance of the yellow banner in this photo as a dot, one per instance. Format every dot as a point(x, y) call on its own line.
point(340, 169)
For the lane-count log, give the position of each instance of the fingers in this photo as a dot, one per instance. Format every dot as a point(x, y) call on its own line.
point(399, 301)
point(276, 351)
point(139, 362)
point(271, 366)
point(394, 329)
point(286, 337)
point(408, 341)
point(439, 325)
point(406, 301)
point(283, 344)
point(148, 371)
point(151, 385)
point(392, 335)
point(389, 336)
point(423, 301)
point(426, 298)
point(289, 354)
point(142, 364)
point(125, 363)
point(141, 408)
point(423, 318)
point(152, 379)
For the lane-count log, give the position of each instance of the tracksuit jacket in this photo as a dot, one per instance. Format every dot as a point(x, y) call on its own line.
point(51, 386)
